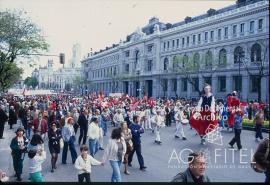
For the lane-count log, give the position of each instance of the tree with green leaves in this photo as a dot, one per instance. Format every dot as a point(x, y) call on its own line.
point(31, 82)
point(20, 39)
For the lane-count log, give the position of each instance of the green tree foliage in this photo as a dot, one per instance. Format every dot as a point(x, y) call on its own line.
point(19, 39)
point(31, 82)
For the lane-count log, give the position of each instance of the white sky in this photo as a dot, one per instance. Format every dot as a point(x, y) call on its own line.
point(100, 23)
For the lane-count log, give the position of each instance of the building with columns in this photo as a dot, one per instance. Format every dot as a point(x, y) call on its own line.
point(227, 48)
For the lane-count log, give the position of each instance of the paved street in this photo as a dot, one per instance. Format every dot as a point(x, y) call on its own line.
point(162, 161)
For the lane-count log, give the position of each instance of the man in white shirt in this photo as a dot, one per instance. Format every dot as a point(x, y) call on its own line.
point(93, 135)
point(83, 164)
point(159, 122)
point(118, 118)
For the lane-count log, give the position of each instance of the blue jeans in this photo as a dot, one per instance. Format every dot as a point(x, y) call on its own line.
point(116, 175)
point(104, 127)
point(28, 133)
point(71, 146)
point(93, 146)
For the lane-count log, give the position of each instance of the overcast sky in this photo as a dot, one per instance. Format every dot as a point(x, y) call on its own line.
point(100, 23)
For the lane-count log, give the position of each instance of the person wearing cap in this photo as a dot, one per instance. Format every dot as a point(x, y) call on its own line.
point(68, 135)
point(179, 117)
point(18, 148)
point(3, 119)
point(54, 136)
point(36, 158)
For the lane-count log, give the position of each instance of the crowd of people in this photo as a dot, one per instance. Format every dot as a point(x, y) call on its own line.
point(59, 119)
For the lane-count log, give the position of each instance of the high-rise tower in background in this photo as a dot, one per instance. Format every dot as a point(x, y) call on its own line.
point(76, 56)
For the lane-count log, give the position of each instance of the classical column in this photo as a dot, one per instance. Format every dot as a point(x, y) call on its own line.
point(245, 86)
point(169, 89)
point(229, 84)
point(178, 90)
point(214, 84)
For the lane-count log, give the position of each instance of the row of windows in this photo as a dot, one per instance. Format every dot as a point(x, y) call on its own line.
point(222, 84)
point(239, 57)
point(106, 72)
point(108, 59)
point(210, 35)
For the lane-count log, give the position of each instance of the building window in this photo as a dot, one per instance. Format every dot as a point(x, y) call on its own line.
point(208, 58)
point(254, 83)
point(149, 65)
point(184, 85)
point(212, 35)
point(150, 48)
point(222, 83)
point(127, 68)
point(256, 52)
point(219, 34)
point(127, 53)
point(166, 64)
point(173, 43)
point(136, 58)
point(237, 83)
point(183, 42)
point(196, 60)
point(177, 42)
point(174, 85)
point(226, 32)
point(208, 80)
point(222, 58)
point(239, 55)
point(165, 84)
point(234, 30)
point(260, 24)
point(168, 44)
point(206, 36)
point(251, 26)
point(195, 84)
point(242, 28)
point(199, 38)
point(187, 41)
point(194, 39)
point(164, 46)
point(185, 61)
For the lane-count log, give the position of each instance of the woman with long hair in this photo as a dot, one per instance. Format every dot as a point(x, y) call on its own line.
point(126, 134)
point(115, 152)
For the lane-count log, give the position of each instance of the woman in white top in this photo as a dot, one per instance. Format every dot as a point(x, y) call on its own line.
point(36, 158)
point(115, 152)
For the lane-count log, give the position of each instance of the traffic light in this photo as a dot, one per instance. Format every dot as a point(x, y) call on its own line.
point(62, 58)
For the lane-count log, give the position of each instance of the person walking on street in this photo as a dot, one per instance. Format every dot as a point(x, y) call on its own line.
point(238, 121)
point(3, 119)
point(136, 131)
point(115, 152)
point(68, 135)
point(54, 136)
point(258, 121)
point(93, 136)
point(126, 134)
point(83, 123)
point(12, 117)
point(18, 149)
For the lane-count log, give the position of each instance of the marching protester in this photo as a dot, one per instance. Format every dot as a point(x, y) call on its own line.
point(118, 118)
point(68, 135)
point(115, 152)
point(83, 124)
point(55, 137)
point(3, 119)
point(136, 131)
point(93, 136)
point(126, 134)
point(39, 125)
point(18, 149)
point(83, 164)
point(12, 117)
